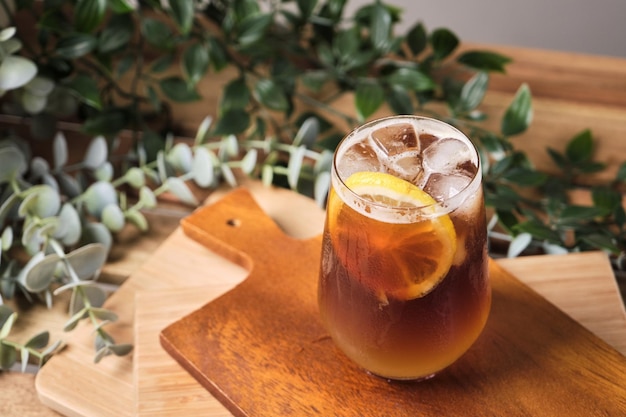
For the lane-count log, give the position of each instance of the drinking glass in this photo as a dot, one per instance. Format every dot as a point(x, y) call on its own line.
point(403, 287)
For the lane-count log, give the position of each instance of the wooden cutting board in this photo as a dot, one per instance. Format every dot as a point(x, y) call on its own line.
point(261, 349)
point(182, 275)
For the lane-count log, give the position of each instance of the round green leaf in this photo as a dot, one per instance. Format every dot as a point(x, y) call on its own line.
point(97, 233)
point(88, 14)
point(156, 33)
point(41, 201)
point(99, 195)
point(417, 39)
point(183, 13)
point(181, 190)
point(88, 260)
point(180, 157)
point(40, 273)
point(69, 228)
point(135, 177)
point(202, 168)
point(113, 217)
point(484, 60)
point(138, 219)
point(12, 163)
point(16, 71)
point(32, 103)
point(147, 197)
point(97, 153)
point(248, 162)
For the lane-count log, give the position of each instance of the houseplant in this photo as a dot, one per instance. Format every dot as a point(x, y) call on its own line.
point(119, 68)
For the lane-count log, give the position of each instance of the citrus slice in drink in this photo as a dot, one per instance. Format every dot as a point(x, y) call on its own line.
point(392, 256)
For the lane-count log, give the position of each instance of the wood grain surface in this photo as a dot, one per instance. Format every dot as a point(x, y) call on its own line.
point(261, 349)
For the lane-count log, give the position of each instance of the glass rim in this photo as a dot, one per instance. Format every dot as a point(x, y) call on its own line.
point(436, 209)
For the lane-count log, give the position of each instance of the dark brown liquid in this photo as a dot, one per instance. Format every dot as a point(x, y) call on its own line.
point(406, 339)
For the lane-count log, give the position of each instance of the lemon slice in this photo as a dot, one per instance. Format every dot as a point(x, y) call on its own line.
point(402, 260)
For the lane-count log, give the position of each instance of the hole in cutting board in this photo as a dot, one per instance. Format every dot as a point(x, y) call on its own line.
point(233, 222)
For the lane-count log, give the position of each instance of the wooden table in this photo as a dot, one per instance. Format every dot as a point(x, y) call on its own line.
point(571, 92)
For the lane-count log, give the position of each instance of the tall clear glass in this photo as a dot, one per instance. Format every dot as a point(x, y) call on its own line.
point(403, 287)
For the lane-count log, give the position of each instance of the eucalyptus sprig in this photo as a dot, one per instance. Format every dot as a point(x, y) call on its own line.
point(36, 347)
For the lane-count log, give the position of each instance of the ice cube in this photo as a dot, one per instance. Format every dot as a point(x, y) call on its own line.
point(444, 186)
point(447, 156)
point(406, 165)
point(395, 138)
point(358, 157)
point(426, 139)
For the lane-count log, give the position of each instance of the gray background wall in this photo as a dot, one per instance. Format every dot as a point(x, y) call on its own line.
point(588, 26)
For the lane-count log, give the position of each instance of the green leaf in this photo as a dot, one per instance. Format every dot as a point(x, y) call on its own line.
point(76, 45)
point(116, 34)
point(417, 39)
point(315, 79)
point(106, 123)
point(574, 214)
point(538, 230)
point(411, 79)
point(122, 6)
point(580, 148)
point(306, 7)
point(269, 94)
point(88, 260)
point(202, 168)
point(162, 63)
point(88, 14)
point(97, 153)
point(181, 190)
point(9, 318)
point(232, 122)
point(519, 114)
point(484, 60)
point(138, 219)
point(38, 341)
point(113, 217)
point(606, 198)
point(519, 244)
point(235, 95)
point(12, 163)
point(175, 88)
point(473, 92)
point(380, 29)
point(368, 98)
point(8, 356)
point(183, 13)
point(16, 71)
point(195, 62)
point(400, 101)
point(40, 274)
point(156, 33)
point(99, 195)
point(253, 28)
point(601, 241)
point(621, 172)
point(87, 89)
point(526, 177)
point(444, 42)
